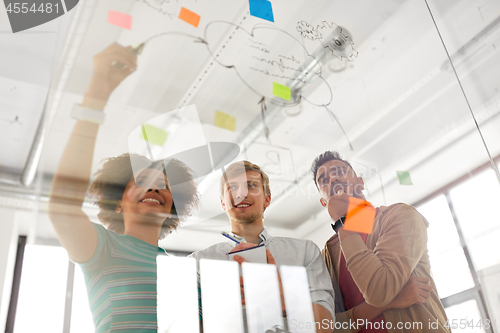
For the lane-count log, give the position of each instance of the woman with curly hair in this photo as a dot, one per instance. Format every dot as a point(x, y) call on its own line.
point(137, 206)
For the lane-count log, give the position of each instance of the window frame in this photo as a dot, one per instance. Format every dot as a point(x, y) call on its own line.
point(68, 302)
point(476, 293)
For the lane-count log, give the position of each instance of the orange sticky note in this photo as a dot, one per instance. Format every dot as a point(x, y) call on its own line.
point(119, 19)
point(189, 16)
point(360, 216)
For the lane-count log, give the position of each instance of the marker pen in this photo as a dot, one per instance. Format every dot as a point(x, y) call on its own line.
point(225, 234)
point(136, 51)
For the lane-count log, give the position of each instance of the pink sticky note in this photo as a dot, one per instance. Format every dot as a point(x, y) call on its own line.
point(119, 19)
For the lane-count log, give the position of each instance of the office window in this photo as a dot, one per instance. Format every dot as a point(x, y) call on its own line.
point(42, 292)
point(475, 202)
point(448, 262)
point(465, 317)
point(81, 317)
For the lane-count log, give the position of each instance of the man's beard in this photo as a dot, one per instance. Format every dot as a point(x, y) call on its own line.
point(247, 219)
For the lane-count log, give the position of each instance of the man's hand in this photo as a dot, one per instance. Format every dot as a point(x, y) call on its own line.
point(416, 290)
point(107, 74)
point(338, 203)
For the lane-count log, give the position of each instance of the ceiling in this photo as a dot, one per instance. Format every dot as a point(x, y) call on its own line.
point(398, 101)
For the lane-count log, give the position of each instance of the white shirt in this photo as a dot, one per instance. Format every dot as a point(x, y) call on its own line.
point(287, 251)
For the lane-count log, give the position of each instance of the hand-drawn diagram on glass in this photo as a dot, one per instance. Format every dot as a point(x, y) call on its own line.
point(274, 160)
point(331, 37)
point(270, 61)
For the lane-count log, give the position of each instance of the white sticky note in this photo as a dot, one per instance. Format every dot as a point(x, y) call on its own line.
point(177, 295)
point(221, 296)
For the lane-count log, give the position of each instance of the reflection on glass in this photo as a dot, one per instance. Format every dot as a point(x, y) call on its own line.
point(465, 317)
point(476, 204)
point(81, 317)
point(42, 292)
point(221, 296)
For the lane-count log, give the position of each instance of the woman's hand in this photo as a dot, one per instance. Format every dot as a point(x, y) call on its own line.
point(111, 67)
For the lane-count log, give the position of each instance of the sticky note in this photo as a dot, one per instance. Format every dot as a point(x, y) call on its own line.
point(154, 134)
point(282, 91)
point(121, 20)
point(224, 120)
point(360, 216)
point(404, 178)
point(189, 17)
point(261, 9)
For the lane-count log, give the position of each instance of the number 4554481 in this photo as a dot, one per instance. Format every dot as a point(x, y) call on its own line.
point(18, 7)
point(471, 324)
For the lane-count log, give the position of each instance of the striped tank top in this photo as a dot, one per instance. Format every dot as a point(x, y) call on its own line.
point(121, 283)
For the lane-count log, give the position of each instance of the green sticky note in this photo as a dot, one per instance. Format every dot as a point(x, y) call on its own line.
point(282, 91)
point(224, 120)
point(154, 134)
point(404, 177)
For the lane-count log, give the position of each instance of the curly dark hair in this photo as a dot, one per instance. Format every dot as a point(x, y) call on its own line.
point(322, 159)
point(114, 175)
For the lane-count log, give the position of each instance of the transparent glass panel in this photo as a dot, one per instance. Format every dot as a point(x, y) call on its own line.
point(282, 82)
point(465, 317)
point(471, 33)
point(81, 317)
point(42, 293)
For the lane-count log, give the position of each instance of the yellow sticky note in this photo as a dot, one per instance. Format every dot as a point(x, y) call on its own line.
point(154, 134)
point(224, 120)
point(360, 216)
point(282, 91)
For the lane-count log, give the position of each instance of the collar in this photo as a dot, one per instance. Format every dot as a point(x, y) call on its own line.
point(264, 236)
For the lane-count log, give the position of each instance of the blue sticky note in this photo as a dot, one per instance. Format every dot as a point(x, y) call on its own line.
point(262, 9)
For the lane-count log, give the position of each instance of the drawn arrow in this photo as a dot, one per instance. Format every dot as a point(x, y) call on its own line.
point(335, 119)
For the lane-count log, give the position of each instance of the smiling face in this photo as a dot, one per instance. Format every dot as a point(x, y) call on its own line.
point(336, 177)
point(147, 197)
point(244, 199)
